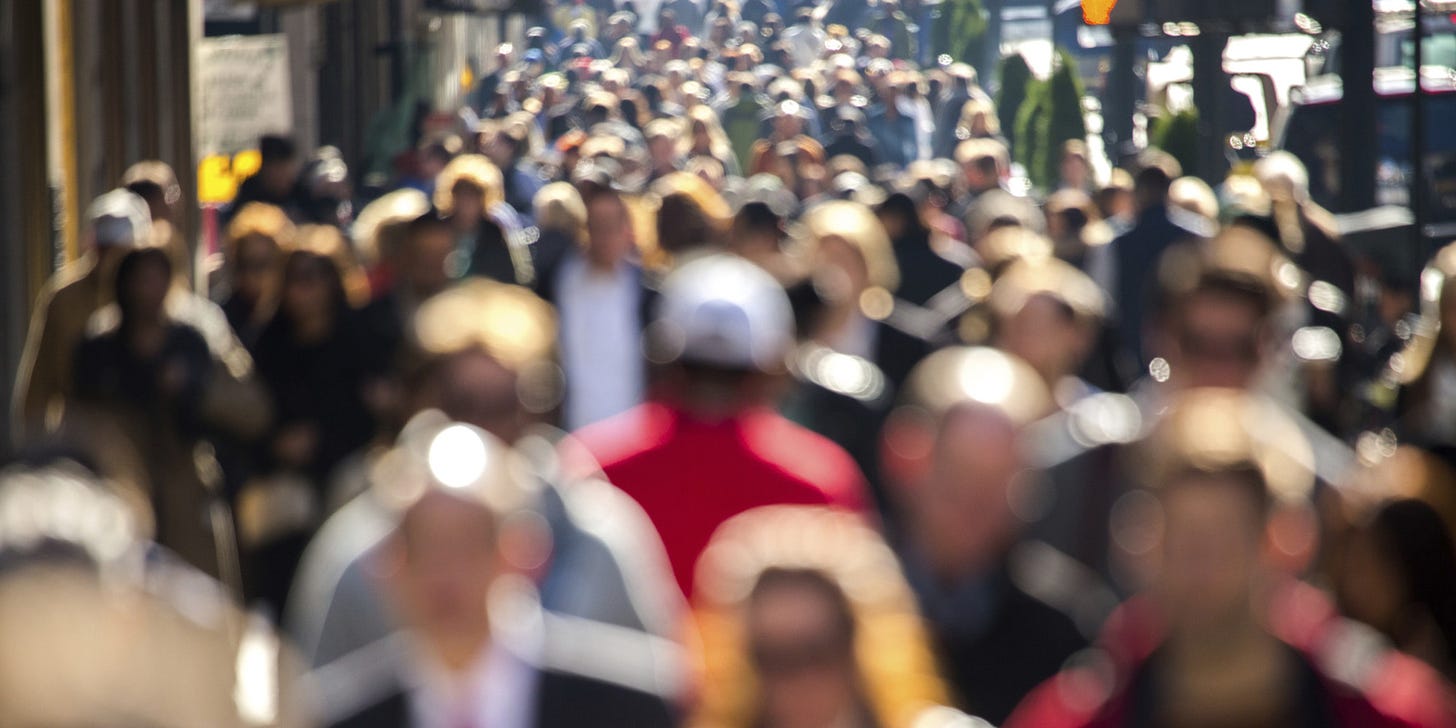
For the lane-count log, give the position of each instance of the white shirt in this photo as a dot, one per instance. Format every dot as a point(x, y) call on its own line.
point(499, 691)
point(601, 341)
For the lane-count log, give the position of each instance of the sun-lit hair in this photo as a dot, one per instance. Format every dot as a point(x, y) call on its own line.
point(510, 323)
point(379, 228)
point(897, 670)
point(1195, 196)
point(558, 207)
point(261, 220)
point(857, 225)
point(690, 213)
point(476, 170)
point(718, 144)
point(327, 241)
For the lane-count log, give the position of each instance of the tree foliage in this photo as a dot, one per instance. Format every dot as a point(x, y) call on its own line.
point(1049, 116)
point(1013, 80)
point(958, 29)
point(1177, 134)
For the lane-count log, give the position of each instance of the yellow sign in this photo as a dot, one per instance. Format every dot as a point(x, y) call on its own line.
point(219, 175)
point(1097, 12)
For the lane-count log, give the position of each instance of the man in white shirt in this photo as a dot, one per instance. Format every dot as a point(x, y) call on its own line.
point(602, 300)
point(477, 650)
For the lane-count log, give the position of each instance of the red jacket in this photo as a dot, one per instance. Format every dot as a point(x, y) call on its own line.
point(1365, 687)
point(691, 476)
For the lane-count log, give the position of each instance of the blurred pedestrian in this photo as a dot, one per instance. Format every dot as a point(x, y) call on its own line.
point(1223, 634)
point(806, 621)
point(477, 651)
point(707, 446)
point(259, 237)
point(956, 465)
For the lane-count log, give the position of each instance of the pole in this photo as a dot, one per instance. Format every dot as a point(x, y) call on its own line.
point(1418, 140)
point(1357, 107)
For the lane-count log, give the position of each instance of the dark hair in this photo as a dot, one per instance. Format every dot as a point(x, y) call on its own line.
point(899, 203)
point(1414, 537)
point(277, 148)
point(758, 217)
point(129, 267)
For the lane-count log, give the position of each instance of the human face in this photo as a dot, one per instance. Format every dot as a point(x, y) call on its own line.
point(1212, 534)
point(468, 205)
point(1044, 334)
point(609, 231)
point(256, 268)
point(844, 266)
point(1218, 341)
point(425, 256)
point(306, 294)
point(147, 290)
point(447, 562)
point(965, 507)
point(802, 658)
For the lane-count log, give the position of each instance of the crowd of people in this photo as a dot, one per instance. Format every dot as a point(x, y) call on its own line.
point(711, 371)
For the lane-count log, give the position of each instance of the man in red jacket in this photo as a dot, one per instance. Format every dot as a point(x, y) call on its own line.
point(709, 446)
point(1224, 636)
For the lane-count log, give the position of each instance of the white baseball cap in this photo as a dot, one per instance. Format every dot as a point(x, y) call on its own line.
point(121, 218)
point(723, 311)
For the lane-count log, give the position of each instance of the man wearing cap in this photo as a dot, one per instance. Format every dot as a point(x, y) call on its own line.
point(119, 222)
point(275, 182)
point(477, 648)
point(709, 446)
point(952, 453)
point(1225, 634)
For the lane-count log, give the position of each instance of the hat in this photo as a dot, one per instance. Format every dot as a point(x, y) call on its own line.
point(121, 218)
point(723, 311)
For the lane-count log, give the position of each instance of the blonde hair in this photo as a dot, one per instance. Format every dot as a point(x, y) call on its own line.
point(892, 654)
point(984, 109)
point(475, 170)
point(857, 225)
point(559, 207)
point(258, 220)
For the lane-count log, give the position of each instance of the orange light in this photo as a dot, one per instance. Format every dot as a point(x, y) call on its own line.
point(1097, 12)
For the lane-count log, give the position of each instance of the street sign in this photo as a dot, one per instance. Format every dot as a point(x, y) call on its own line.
point(243, 92)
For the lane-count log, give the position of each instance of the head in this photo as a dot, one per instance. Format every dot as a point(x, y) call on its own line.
point(726, 327)
point(281, 164)
point(807, 621)
point(1049, 314)
point(143, 279)
point(258, 238)
point(118, 222)
point(691, 214)
point(800, 639)
point(1115, 199)
point(313, 288)
point(469, 186)
point(901, 218)
point(1194, 195)
point(1396, 576)
point(459, 497)
point(788, 120)
point(851, 253)
point(155, 182)
point(558, 208)
point(663, 136)
point(982, 162)
point(428, 243)
point(611, 236)
point(1215, 306)
point(1076, 169)
point(953, 452)
point(1151, 183)
point(1229, 477)
point(979, 120)
point(487, 357)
